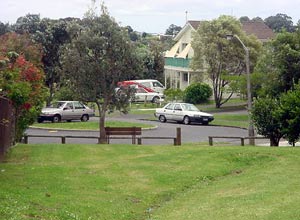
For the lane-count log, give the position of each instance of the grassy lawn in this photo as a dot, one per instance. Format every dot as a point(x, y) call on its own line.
point(149, 182)
point(236, 120)
point(90, 125)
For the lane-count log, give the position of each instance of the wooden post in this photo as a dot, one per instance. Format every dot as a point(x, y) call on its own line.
point(139, 141)
point(242, 142)
point(175, 141)
point(134, 136)
point(26, 139)
point(63, 139)
point(178, 136)
point(210, 140)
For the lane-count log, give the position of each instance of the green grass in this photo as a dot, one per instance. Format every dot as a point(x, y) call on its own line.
point(236, 120)
point(61, 182)
point(90, 125)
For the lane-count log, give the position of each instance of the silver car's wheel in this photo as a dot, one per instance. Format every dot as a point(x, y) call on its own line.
point(162, 118)
point(186, 120)
point(85, 118)
point(56, 118)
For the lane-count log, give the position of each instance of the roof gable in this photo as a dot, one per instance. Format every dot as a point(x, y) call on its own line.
point(257, 28)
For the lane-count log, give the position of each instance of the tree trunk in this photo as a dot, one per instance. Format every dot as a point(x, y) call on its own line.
point(102, 134)
point(274, 142)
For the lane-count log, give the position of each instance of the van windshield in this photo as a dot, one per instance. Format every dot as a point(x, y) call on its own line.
point(157, 84)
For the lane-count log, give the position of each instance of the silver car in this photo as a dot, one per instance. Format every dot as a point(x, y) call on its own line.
point(183, 112)
point(66, 110)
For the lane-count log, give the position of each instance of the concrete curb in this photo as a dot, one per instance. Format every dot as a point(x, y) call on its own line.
point(61, 129)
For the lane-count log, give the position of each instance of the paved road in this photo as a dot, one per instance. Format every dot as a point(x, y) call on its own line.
point(190, 133)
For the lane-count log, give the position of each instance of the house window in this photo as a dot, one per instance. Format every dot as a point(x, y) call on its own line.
point(183, 46)
point(185, 77)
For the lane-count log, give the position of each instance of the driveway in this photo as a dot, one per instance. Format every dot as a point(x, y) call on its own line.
point(190, 133)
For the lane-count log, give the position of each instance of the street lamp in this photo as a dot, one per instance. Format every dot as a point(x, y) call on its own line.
point(249, 98)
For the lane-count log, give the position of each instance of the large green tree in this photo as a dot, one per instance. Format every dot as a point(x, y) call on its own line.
point(99, 55)
point(279, 64)
point(220, 58)
point(52, 35)
point(279, 22)
point(278, 117)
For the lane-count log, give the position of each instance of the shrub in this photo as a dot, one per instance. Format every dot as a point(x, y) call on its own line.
point(173, 94)
point(197, 93)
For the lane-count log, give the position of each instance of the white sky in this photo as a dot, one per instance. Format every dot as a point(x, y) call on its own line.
point(152, 16)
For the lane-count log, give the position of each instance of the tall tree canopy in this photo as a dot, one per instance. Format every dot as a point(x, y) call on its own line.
point(173, 30)
point(279, 65)
point(100, 54)
point(220, 58)
point(279, 22)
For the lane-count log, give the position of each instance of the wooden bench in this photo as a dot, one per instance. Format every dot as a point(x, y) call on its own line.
point(122, 131)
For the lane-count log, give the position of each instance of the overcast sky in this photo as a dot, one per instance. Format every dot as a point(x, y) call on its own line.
point(152, 16)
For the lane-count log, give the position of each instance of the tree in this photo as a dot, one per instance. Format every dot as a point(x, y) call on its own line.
point(52, 35)
point(279, 64)
point(265, 118)
point(21, 80)
point(29, 23)
point(279, 22)
point(220, 58)
point(257, 19)
point(290, 115)
point(53, 39)
point(100, 54)
point(244, 19)
point(278, 117)
point(173, 30)
point(4, 28)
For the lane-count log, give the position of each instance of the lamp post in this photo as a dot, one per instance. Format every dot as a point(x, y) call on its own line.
point(249, 97)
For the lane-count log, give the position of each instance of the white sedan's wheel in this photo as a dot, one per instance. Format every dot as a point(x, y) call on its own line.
point(186, 120)
point(162, 118)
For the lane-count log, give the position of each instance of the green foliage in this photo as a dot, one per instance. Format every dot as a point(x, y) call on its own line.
point(280, 22)
point(279, 65)
point(278, 117)
point(219, 57)
point(24, 87)
point(265, 118)
point(21, 81)
point(290, 115)
point(173, 94)
point(173, 30)
point(99, 56)
point(197, 93)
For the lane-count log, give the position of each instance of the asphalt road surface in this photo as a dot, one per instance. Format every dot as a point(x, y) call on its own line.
point(190, 133)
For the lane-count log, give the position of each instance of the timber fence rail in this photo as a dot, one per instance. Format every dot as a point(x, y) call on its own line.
point(242, 139)
point(176, 139)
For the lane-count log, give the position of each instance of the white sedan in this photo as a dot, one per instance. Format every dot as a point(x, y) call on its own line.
point(183, 112)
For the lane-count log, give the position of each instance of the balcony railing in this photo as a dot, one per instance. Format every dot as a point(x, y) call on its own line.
point(177, 62)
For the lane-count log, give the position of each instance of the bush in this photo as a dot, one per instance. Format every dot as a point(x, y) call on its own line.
point(173, 94)
point(197, 93)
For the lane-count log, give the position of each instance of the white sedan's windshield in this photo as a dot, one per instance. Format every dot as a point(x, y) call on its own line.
point(190, 107)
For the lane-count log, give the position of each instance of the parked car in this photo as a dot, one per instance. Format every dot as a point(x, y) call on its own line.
point(66, 110)
point(142, 95)
point(183, 112)
point(134, 84)
point(153, 84)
